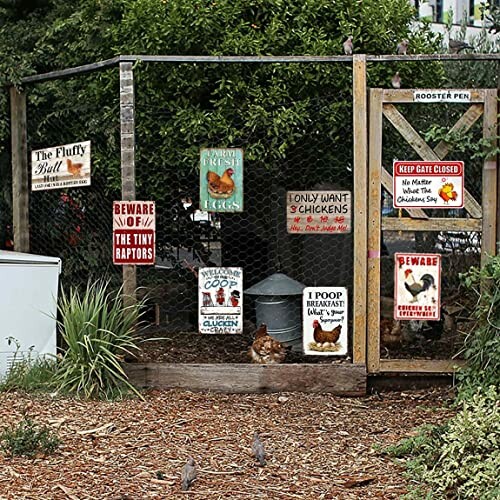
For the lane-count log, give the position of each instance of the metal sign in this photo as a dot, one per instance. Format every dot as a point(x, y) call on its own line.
point(61, 167)
point(441, 96)
point(417, 286)
point(318, 212)
point(324, 312)
point(428, 184)
point(134, 237)
point(220, 300)
point(221, 180)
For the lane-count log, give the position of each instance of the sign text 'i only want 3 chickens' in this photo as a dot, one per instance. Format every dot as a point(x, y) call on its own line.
point(221, 180)
point(325, 320)
point(417, 286)
point(134, 225)
point(61, 167)
point(220, 299)
point(428, 184)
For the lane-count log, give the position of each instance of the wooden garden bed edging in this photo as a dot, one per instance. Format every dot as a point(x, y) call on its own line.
point(344, 380)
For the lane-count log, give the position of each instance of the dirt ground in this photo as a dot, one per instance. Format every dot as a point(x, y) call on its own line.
point(318, 446)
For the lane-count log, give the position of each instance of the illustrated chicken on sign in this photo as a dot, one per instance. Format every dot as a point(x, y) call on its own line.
point(446, 192)
point(74, 169)
point(417, 287)
point(221, 186)
point(265, 349)
point(326, 338)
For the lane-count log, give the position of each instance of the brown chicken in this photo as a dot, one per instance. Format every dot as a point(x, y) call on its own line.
point(390, 332)
point(266, 350)
point(74, 168)
point(326, 336)
point(221, 185)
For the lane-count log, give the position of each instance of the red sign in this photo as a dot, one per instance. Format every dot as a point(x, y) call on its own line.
point(134, 225)
point(428, 184)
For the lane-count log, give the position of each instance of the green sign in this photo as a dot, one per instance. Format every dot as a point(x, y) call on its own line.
point(221, 180)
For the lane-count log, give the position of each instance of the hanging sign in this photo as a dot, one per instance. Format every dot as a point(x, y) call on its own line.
point(316, 212)
point(61, 167)
point(221, 180)
point(324, 312)
point(134, 226)
point(441, 96)
point(428, 184)
point(417, 286)
point(220, 299)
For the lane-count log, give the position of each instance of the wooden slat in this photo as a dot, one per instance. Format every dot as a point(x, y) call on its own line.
point(442, 224)
point(420, 365)
point(463, 125)
point(20, 179)
point(425, 151)
point(342, 379)
point(387, 182)
point(360, 125)
point(374, 227)
point(489, 192)
point(127, 148)
point(406, 95)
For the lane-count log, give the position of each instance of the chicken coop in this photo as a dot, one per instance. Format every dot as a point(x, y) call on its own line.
point(414, 168)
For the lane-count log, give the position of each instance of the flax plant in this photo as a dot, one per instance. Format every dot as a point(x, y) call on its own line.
point(98, 331)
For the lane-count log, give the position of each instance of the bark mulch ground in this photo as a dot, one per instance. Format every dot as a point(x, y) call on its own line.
point(319, 446)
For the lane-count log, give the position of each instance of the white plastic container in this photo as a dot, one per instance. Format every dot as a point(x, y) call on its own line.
point(28, 305)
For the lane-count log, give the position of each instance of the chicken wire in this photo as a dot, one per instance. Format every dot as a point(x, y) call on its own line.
point(75, 224)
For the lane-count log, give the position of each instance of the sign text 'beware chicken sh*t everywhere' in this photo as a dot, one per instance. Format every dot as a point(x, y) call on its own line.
point(134, 225)
point(428, 184)
point(221, 180)
point(324, 313)
point(316, 212)
point(61, 167)
point(417, 286)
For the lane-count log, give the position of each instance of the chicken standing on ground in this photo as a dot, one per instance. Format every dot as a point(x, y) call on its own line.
point(258, 450)
point(188, 474)
point(265, 349)
point(402, 47)
point(396, 80)
point(348, 47)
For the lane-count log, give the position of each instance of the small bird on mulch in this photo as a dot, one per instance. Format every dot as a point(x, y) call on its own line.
point(258, 450)
point(402, 47)
point(348, 47)
point(396, 80)
point(188, 474)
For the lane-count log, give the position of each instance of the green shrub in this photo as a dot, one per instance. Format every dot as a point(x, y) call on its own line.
point(28, 439)
point(98, 331)
point(27, 373)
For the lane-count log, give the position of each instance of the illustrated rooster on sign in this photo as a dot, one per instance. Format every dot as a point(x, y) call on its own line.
point(417, 287)
point(446, 192)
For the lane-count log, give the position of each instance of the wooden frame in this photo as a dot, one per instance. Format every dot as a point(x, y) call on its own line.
point(481, 218)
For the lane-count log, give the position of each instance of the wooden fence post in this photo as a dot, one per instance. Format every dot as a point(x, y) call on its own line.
point(127, 147)
point(20, 187)
point(360, 133)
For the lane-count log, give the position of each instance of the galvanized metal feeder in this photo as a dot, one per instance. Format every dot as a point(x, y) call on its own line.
point(279, 306)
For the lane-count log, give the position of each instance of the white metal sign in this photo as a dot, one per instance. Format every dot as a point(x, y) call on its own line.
point(324, 312)
point(417, 286)
point(61, 167)
point(220, 300)
point(441, 96)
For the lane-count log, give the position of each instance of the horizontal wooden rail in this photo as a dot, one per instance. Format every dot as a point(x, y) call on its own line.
point(420, 365)
point(441, 224)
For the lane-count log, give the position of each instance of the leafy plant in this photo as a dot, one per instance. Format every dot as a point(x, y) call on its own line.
point(98, 331)
point(28, 438)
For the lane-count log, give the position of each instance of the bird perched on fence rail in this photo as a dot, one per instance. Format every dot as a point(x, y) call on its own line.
point(402, 47)
point(258, 450)
point(188, 474)
point(456, 46)
point(348, 46)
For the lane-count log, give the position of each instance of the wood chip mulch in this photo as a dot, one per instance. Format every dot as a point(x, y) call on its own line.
point(319, 446)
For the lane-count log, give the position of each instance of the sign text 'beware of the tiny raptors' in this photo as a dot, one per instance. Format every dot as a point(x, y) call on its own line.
point(134, 225)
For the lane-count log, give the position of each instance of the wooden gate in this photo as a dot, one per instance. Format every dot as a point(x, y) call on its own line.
point(481, 217)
